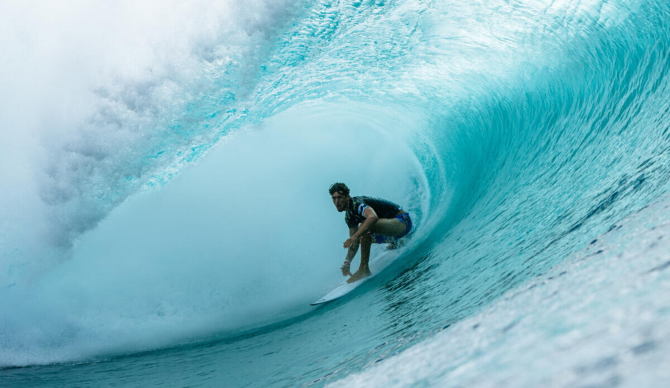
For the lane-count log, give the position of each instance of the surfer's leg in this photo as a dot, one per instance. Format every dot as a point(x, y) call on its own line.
point(389, 227)
point(366, 243)
point(364, 269)
point(390, 230)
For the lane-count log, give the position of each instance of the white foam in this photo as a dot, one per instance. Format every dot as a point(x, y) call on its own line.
point(89, 95)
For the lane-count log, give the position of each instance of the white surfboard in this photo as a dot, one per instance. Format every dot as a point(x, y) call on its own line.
point(376, 264)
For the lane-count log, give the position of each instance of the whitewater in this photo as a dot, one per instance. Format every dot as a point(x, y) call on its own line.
point(165, 217)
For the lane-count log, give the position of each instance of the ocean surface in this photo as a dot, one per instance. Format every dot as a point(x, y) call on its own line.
point(165, 217)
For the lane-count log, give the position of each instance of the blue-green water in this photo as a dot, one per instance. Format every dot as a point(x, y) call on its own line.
point(175, 233)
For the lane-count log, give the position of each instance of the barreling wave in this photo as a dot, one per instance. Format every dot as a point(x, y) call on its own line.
point(517, 131)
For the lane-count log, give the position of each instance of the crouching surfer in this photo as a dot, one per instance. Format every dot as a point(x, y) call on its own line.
point(370, 220)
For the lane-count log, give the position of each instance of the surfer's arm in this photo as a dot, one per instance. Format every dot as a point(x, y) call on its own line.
point(353, 248)
point(370, 219)
point(351, 253)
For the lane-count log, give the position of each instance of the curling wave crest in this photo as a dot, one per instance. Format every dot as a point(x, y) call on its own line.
point(182, 204)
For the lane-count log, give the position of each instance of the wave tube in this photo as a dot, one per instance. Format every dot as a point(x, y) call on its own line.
point(232, 243)
point(520, 132)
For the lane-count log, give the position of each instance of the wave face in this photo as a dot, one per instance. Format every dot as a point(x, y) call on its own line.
point(171, 193)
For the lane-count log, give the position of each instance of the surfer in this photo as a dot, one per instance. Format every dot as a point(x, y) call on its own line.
point(370, 220)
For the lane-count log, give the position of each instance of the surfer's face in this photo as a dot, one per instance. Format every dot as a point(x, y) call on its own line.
point(340, 201)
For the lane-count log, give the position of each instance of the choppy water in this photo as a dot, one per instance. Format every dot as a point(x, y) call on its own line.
point(164, 218)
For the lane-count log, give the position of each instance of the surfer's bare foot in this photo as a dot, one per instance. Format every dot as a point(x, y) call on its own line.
point(358, 275)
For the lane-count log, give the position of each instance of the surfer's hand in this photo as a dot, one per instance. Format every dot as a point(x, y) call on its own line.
point(350, 241)
point(346, 270)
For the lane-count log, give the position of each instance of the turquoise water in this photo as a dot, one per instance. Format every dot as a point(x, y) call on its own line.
point(184, 223)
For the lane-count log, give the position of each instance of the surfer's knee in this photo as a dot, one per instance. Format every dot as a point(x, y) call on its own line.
point(366, 238)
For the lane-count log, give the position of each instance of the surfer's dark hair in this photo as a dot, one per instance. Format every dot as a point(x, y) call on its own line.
point(338, 187)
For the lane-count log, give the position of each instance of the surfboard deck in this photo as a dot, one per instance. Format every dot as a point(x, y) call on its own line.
point(376, 264)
